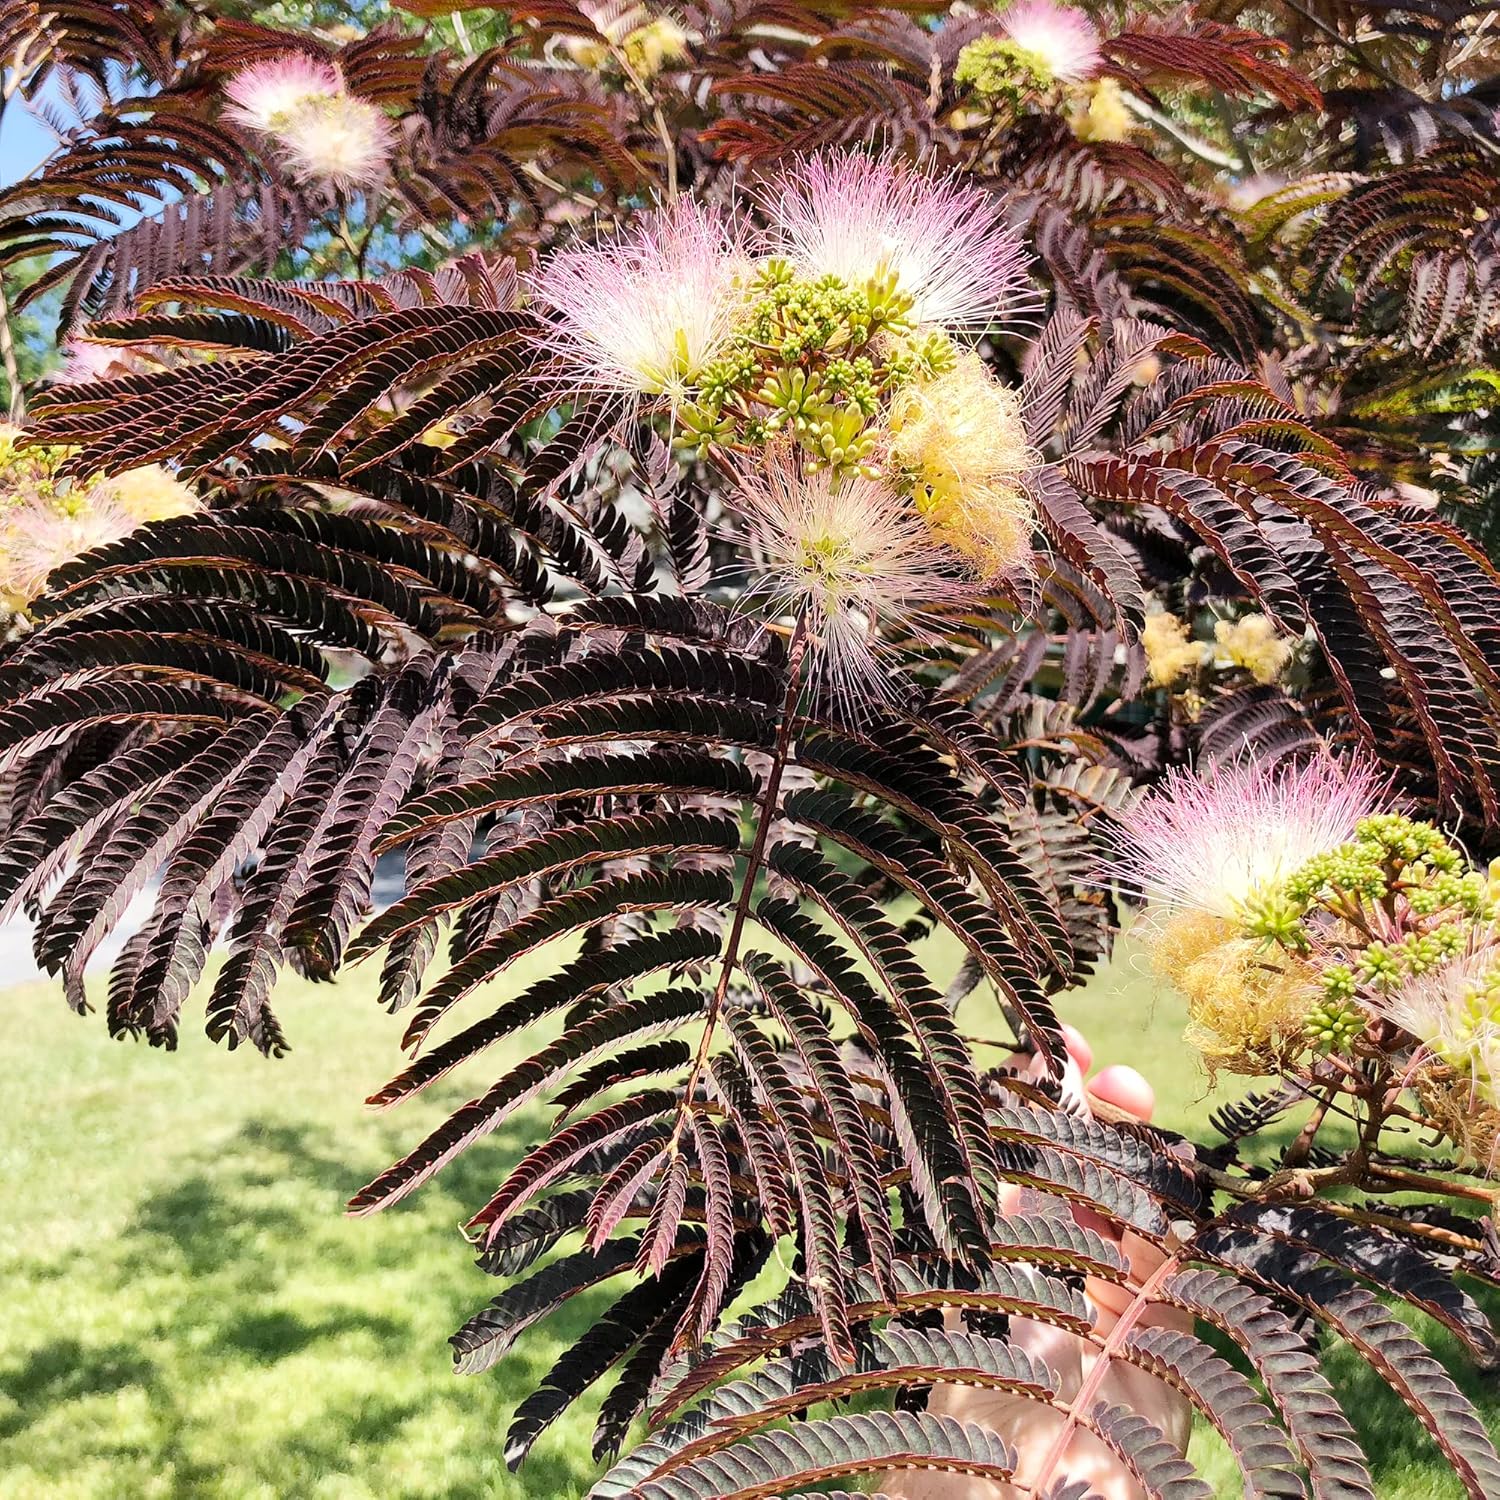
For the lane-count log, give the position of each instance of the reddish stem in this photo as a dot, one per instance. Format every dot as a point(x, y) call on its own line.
point(795, 653)
point(1078, 1408)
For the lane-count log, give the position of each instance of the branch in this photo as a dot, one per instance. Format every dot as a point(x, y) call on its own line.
point(658, 119)
point(753, 863)
point(1297, 1152)
point(1189, 143)
point(8, 356)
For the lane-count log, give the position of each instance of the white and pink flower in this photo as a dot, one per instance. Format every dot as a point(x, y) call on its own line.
point(642, 314)
point(943, 242)
point(37, 534)
point(265, 95)
point(321, 132)
point(1209, 843)
point(1454, 1011)
point(1061, 36)
point(851, 554)
point(341, 140)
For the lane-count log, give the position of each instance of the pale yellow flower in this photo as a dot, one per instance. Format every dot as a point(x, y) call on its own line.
point(1251, 642)
point(1099, 113)
point(1171, 653)
point(652, 47)
point(151, 494)
point(961, 440)
point(1247, 1004)
point(649, 43)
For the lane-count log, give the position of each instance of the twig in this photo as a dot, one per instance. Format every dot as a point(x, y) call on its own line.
point(1304, 1182)
point(8, 356)
point(658, 119)
point(1396, 1177)
point(1447, 1237)
point(1189, 143)
point(361, 258)
point(1297, 1152)
point(795, 654)
point(536, 174)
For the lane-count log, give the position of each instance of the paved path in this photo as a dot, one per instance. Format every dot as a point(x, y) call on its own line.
point(18, 967)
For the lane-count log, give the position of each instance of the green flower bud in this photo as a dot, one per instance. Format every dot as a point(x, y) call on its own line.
point(1339, 983)
point(1333, 1025)
point(1275, 916)
point(997, 71)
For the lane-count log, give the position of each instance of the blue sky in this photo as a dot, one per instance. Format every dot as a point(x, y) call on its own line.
point(24, 142)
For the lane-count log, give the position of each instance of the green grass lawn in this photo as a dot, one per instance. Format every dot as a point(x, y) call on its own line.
point(188, 1313)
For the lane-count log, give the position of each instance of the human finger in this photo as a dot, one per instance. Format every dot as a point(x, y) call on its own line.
point(1078, 1047)
point(1125, 1089)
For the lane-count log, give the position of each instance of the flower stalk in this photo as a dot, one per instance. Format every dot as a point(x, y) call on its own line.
point(766, 815)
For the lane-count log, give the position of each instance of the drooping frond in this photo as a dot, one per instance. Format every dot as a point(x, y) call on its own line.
point(456, 609)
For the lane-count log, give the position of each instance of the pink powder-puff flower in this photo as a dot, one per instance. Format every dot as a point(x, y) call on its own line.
point(85, 361)
point(340, 140)
point(642, 314)
point(1210, 843)
point(1061, 36)
point(942, 242)
point(265, 95)
point(38, 534)
point(1454, 1011)
point(320, 132)
point(850, 554)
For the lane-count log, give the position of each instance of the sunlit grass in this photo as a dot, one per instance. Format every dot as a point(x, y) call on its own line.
point(189, 1314)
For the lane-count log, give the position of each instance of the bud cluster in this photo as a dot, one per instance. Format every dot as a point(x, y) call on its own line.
point(1401, 934)
point(833, 335)
point(1041, 50)
point(999, 71)
point(816, 359)
point(1308, 926)
point(878, 466)
point(1398, 884)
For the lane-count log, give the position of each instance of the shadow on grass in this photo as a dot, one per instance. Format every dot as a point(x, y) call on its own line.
point(241, 1335)
point(66, 1369)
